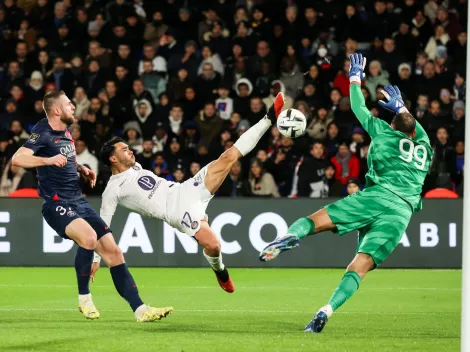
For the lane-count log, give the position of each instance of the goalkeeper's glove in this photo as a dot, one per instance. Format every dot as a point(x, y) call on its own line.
point(356, 69)
point(395, 102)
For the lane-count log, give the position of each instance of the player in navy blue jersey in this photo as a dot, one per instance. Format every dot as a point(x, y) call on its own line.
point(50, 148)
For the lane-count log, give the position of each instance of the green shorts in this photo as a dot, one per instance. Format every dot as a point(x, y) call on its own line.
point(380, 216)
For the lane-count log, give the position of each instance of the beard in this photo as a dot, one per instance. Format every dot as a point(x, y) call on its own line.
point(68, 120)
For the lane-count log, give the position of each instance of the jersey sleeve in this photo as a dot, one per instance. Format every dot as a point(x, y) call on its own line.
point(371, 124)
point(37, 140)
point(109, 204)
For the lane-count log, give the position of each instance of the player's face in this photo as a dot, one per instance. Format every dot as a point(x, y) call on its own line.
point(123, 155)
point(66, 110)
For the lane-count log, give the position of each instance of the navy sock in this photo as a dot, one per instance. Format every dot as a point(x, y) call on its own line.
point(83, 261)
point(125, 285)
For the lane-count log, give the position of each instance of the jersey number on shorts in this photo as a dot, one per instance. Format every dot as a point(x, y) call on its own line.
point(409, 150)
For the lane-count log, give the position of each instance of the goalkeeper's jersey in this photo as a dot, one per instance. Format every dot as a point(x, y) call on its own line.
point(396, 162)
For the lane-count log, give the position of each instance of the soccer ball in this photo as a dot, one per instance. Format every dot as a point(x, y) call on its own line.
point(291, 123)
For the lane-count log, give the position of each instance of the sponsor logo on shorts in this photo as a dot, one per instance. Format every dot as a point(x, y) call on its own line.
point(194, 225)
point(33, 138)
point(146, 183)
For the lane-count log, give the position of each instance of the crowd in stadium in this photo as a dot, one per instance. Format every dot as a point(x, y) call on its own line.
point(181, 80)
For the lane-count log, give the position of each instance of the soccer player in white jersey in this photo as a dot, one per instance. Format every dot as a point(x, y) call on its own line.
point(182, 205)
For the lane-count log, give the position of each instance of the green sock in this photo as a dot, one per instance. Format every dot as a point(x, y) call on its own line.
point(302, 228)
point(345, 289)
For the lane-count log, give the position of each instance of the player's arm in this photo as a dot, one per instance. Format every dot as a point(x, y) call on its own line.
point(371, 124)
point(24, 157)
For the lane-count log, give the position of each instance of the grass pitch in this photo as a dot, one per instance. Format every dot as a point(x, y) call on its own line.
point(394, 310)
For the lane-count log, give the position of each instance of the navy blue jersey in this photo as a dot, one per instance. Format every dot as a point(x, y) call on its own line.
point(56, 183)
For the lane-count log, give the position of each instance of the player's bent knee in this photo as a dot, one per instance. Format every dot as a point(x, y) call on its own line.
point(89, 240)
point(213, 247)
point(114, 256)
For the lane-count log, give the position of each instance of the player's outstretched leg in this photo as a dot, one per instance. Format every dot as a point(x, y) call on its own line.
point(301, 228)
point(359, 267)
point(219, 169)
point(208, 239)
point(82, 233)
point(124, 282)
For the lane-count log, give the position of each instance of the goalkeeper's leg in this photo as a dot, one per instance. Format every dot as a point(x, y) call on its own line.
point(359, 267)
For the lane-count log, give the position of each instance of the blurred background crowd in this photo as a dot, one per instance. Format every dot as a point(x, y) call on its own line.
point(182, 80)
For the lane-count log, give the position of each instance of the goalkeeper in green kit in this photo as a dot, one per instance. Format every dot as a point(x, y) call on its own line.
point(398, 160)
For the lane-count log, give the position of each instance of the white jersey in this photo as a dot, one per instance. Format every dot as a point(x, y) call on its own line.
point(138, 190)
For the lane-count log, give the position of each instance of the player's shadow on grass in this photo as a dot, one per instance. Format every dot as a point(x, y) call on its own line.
point(39, 345)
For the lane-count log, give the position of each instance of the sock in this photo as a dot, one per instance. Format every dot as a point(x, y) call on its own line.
point(83, 260)
point(125, 285)
point(215, 262)
point(346, 288)
point(302, 228)
point(250, 138)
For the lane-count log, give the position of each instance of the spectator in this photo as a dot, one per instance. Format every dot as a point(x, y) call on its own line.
point(156, 28)
point(145, 158)
point(458, 160)
point(276, 87)
point(341, 80)
point(158, 61)
point(353, 186)
point(209, 123)
point(174, 154)
point(187, 60)
point(243, 89)
point(311, 173)
point(176, 119)
point(169, 46)
point(333, 186)
point(291, 76)
point(218, 42)
point(234, 185)
point(404, 82)
point(440, 38)
point(459, 88)
point(212, 58)
point(317, 129)
point(208, 82)
point(81, 102)
point(457, 124)
point(132, 135)
point(376, 77)
point(62, 77)
point(84, 157)
point(257, 110)
point(194, 168)
point(421, 27)
point(261, 182)
point(124, 58)
point(35, 88)
point(224, 103)
point(153, 82)
point(346, 163)
point(190, 139)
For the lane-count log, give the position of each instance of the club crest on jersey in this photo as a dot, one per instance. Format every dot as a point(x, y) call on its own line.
point(194, 225)
point(197, 180)
point(33, 138)
point(146, 183)
point(71, 213)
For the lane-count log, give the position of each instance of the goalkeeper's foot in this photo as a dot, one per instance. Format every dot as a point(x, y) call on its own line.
point(146, 313)
point(280, 245)
point(276, 108)
point(225, 281)
point(319, 320)
point(87, 307)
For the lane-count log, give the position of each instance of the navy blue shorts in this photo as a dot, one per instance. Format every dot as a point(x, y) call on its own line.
point(58, 214)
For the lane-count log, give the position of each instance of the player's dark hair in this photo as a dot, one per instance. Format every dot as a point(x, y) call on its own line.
point(50, 98)
point(107, 150)
point(405, 123)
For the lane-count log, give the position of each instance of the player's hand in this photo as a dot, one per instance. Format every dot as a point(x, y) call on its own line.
point(59, 160)
point(395, 101)
point(94, 268)
point(88, 175)
point(356, 69)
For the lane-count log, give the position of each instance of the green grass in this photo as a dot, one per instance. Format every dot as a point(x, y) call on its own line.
point(394, 310)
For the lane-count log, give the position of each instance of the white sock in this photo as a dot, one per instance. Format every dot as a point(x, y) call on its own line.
point(215, 262)
point(83, 298)
point(140, 310)
point(250, 138)
point(328, 310)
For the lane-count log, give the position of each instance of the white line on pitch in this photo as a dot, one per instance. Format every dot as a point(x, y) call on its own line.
point(226, 311)
point(286, 288)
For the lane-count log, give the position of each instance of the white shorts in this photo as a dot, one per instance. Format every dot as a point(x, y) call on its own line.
point(187, 203)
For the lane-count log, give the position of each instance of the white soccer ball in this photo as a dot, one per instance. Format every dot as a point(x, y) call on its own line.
point(291, 123)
